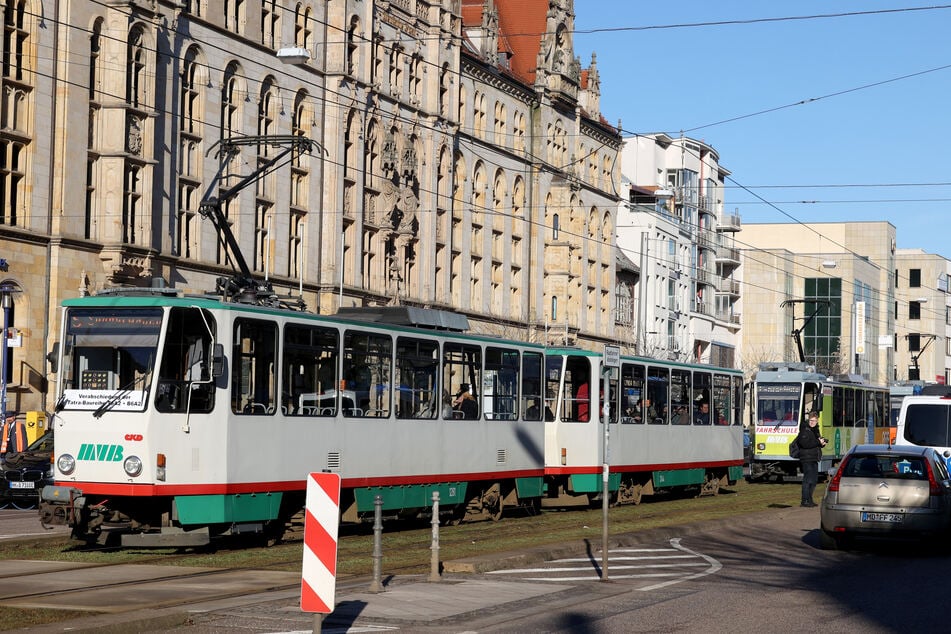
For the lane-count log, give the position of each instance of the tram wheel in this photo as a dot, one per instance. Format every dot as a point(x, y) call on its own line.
point(711, 486)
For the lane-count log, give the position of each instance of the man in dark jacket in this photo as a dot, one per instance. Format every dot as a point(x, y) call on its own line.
point(810, 452)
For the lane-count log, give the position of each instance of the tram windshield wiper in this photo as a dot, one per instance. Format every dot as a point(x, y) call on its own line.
point(113, 400)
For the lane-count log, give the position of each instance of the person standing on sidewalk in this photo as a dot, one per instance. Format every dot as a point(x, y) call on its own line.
point(810, 452)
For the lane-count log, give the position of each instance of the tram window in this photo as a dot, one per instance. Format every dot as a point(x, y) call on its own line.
point(878, 410)
point(737, 400)
point(462, 374)
point(310, 371)
point(632, 393)
point(702, 403)
point(721, 411)
point(500, 384)
point(553, 368)
point(848, 415)
point(838, 406)
point(658, 389)
point(367, 370)
point(532, 386)
point(861, 414)
point(254, 361)
point(108, 350)
point(680, 397)
point(576, 405)
point(417, 366)
point(185, 382)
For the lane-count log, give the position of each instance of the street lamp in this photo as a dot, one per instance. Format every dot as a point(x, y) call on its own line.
point(7, 302)
point(294, 55)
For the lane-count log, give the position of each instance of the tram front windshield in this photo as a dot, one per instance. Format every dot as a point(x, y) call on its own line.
point(777, 404)
point(108, 357)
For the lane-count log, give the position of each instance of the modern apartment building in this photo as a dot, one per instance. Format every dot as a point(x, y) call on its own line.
point(460, 159)
point(833, 283)
point(922, 317)
point(673, 225)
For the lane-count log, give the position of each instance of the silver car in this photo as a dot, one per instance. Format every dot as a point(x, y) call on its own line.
point(886, 491)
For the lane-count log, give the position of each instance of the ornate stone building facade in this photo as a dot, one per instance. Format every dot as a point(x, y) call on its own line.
point(460, 159)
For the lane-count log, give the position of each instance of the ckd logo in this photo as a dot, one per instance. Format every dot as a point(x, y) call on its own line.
point(100, 453)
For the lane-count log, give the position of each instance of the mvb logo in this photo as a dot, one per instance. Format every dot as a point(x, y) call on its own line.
point(100, 453)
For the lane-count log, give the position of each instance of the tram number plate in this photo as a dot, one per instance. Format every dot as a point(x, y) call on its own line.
point(22, 485)
point(894, 518)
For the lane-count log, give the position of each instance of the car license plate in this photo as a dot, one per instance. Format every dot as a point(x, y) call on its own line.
point(893, 518)
point(22, 485)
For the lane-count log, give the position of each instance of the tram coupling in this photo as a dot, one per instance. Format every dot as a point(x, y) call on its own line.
point(66, 506)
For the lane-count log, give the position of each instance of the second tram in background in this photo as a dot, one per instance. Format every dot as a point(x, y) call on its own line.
point(851, 412)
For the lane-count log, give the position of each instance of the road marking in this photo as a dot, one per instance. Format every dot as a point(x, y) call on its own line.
point(654, 563)
point(715, 566)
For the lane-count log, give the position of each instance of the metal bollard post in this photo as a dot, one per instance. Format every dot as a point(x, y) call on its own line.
point(377, 584)
point(434, 563)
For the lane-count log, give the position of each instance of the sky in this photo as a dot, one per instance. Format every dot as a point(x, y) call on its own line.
point(827, 119)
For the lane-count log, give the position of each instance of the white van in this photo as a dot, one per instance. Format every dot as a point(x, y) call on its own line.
point(926, 420)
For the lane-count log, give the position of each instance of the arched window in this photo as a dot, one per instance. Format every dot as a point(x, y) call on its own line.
point(231, 99)
point(135, 88)
point(270, 23)
point(445, 81)
point(350, 63)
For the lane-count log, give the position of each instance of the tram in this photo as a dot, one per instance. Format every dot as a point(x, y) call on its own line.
point(851, 411)
point(192, 418)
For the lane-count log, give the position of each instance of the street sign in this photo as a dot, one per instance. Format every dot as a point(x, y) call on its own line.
point(612, 357)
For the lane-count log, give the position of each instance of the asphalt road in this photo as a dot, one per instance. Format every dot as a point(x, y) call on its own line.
point(763, 572)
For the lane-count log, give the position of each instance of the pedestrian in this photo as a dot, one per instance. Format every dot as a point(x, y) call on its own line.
point(810, 452)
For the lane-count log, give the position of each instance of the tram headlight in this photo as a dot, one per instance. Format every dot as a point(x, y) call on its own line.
point(65, 463)
point(132, 466)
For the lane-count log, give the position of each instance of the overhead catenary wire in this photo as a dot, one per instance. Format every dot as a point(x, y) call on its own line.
point(581, 237)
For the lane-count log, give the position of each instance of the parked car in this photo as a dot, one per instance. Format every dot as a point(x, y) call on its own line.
point(886, 491)
point(24, 473)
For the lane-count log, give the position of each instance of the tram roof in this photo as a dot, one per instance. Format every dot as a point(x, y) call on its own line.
point(396, 318)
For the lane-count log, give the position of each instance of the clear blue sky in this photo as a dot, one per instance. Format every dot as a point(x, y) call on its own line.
point(867, 137)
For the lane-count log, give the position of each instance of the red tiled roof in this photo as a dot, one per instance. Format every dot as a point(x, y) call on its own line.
point(521, 28)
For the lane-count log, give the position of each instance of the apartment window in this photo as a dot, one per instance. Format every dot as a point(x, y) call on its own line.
point(914, 310)
point(914, 343)
point(914, 278)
